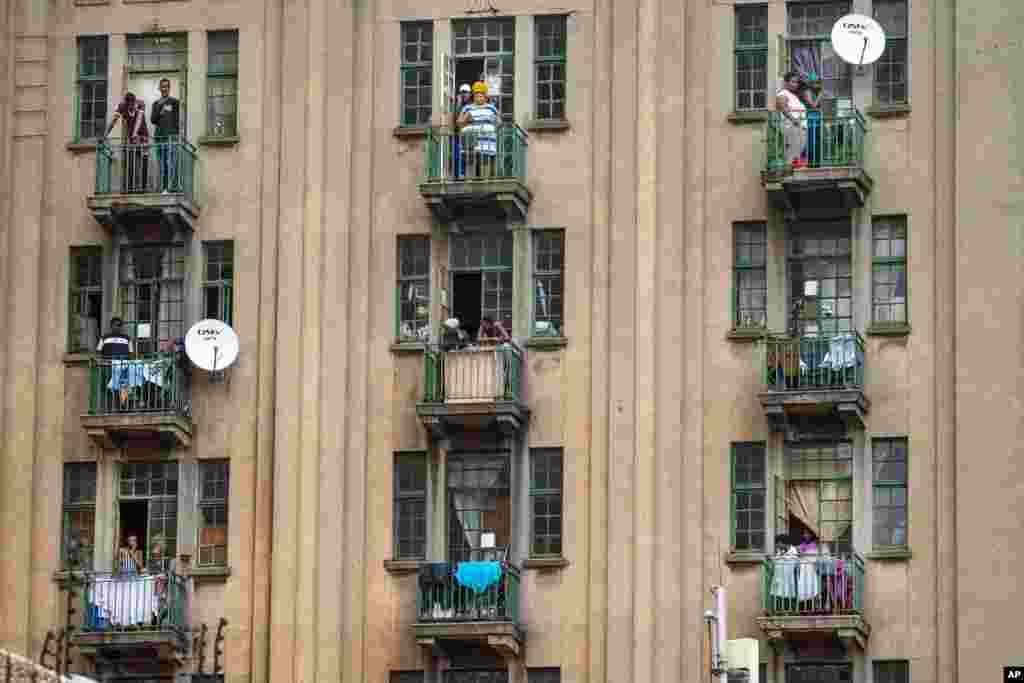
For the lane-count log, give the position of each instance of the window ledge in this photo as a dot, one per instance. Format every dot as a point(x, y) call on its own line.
point(890, 554)
point(746, 334)
point(408, 347)
point(542, 343)
point(210, 573)
point(77, 358)
point(884, 111)
point(81, 3)
point(898, 330)
point(547, 124)
point(410, 131)
point(549, 563)
point(219, 140)
point(402, 566)
point(757, 116)
point(745, 557)
point(76, 147)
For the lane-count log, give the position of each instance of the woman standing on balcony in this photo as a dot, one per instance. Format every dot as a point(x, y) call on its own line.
point(480, 120)
point(794, 114)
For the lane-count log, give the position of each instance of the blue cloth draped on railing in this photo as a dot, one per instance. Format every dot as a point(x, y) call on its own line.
point(478, 576)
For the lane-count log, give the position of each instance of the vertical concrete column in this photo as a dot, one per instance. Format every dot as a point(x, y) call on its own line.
point(522, 290)
point(524, 83)
point(775, 270)
point(27, 137)
point(106, 513)
point(442, 47)
point(118, 46)
point(195, 109)
point(860, 261)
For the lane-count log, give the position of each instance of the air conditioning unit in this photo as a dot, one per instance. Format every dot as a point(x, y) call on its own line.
point(744, 660)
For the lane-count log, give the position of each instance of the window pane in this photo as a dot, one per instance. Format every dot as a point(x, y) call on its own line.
point(410, 507)
point(546, 495)
point(548, 271)
point(223, 52)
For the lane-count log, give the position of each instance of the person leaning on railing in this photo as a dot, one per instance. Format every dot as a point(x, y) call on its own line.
point(132, 113)
point(794, 114)
point(115, 345)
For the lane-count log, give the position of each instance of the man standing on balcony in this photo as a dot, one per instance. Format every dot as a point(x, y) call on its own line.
point(794, 115)
point(134, 140)
point(166, 117)
point(115, 346)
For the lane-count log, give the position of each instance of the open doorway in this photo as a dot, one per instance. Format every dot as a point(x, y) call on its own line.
point(467, 300)
point(134, 521)
point(469, 71)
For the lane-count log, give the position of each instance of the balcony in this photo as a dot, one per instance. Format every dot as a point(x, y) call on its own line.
point(807, 596)
point(131, 616)
point(143, 398)
point(475, 389)
point(830, 179)
point(465, 178)
point(145, 186)
point(449, 611)
point(814, 377)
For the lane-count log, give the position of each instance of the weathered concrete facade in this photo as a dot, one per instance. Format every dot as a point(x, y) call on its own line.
point(644, 398)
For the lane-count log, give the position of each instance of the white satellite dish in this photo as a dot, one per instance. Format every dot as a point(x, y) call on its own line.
point(211, 345)
point(858, 39)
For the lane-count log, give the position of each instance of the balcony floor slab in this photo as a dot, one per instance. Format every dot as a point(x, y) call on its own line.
point(505, 197)
point(851, 627)
point(443, 419)
point(111, 430)
point(504, 636)
point(850, 404)
point(174, 210)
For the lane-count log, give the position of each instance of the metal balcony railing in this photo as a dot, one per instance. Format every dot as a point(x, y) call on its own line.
point(441, 598)
point(799, 364)
point(829, 141)
point(813, 585)
point(477, 374)
point(466, 156)
point(153, 383)
point(146, 168)
point(129, 602)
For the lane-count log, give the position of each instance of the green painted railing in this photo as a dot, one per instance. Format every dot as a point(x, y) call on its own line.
point(799, 364)
point(468, 156)
point(440, 597)
point(809, 585)
point(130, 602)
point(154, 383)
point(835, 141)
point(146, 169)
point(478, 374)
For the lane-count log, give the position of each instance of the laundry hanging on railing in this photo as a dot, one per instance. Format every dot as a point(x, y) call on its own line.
point(478, 576)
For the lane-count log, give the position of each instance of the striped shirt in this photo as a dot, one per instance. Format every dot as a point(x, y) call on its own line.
point(483, 127)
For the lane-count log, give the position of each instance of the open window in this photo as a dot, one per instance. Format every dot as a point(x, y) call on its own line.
point(481, 278)
point(819, 492)
point(484, 49)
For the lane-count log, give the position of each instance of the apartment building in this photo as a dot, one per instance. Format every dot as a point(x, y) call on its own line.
point(797, 381)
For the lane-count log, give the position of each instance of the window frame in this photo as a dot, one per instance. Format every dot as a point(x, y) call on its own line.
point(894, 222)
point(816, 40)
point(736, 488)
point(79, 293)
point(222, 74)
point(78, 505)
point(422, 279)
point(128, 298)
point(499, 62)
point(420, 67)
point(401, 495)
point(541, 275)
point(892, 40)
point(842, 452)
point(890, 485)
point(91, 79)
point(549, 494)
point(203, 502)
point(878, 664)
point(559, 21)
point(750, 267)
point(225, 287)
point(743, 49)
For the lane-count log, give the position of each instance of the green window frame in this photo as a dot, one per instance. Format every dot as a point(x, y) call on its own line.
point(214, 488)
point(891, 671)
point(78, 537)
point(546, 674)
point(889, 270)
point(751, 51)
point(416, 72)
point(410, 501)
point(546, 502)
point(809, 27)
point(548, 279)
point(549, 67)
point(218, 280)
point(156, 482)
point(222, 84)
point(495, 41)
point(152, 292)
point(91, 88)
point(85, 299)
point(891, 71)
point(412, 292)
point(490, 253)
point(749, 499)
point(889, 492)
point(750, 275)
point(828, 466)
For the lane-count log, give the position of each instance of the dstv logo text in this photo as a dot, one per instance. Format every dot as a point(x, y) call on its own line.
point(854, 25)
point(207, 332)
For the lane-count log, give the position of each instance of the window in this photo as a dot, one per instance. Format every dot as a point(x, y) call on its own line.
point(889, 483)
point(550, 68)
point(892, 671)
point(213, 513)
point(748, 496)
point(158, 51)
point(85, 299)
point(218, 284)
point(485, 48)
point(820, 279)
point(819, 490)
point(413, 289)
point(889, 270)
point(545, 675)
point(750, 298)
point(751, 57)
point(417, 64)
point(152, 280)
point(410, 516)
point(91, 102)
point(546, 502)
point(809, 25)
point(222, 84)
point(891, 67)
point(148, 500)
point(548, 265)
point(79, 515)
point(481, 268)
point(479, 505)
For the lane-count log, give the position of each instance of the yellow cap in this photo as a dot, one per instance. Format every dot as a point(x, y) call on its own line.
point(480, 87)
